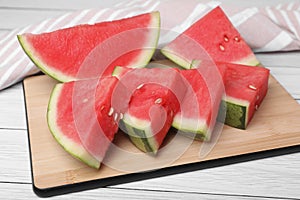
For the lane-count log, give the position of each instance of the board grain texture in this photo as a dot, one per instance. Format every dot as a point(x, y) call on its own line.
point(270, 129)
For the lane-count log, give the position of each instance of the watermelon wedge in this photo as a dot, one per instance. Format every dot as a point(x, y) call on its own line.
point(153, 100)
point(212, 35)
point(246, 87)
point(89, 51)
point(71, 107)
point(199, 109)
point(199, 117)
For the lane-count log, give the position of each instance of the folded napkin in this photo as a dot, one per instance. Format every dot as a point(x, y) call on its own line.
point(272, 28)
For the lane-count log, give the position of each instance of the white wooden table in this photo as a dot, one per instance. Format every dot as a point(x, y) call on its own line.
point(269, 178)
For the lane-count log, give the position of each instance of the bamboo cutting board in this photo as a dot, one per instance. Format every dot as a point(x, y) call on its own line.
point(275, 125)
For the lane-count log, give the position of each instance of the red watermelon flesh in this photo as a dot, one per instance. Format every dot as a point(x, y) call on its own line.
point(199, 117)
point(88, 51)
point(72, 106)
point(212, 35)
point(155, 96)
point(246, 87)
point(149, 106)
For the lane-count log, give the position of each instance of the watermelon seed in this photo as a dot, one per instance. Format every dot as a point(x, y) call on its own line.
point(102, 108)
point(158, 101)
point(140, 86)
point(85, 100)
point(121, 115)
point(252, 87)
point(111, 111)
point(222, 48)
point(226, 39)
point(256, 107)
point(236, 38)
point(116, 116)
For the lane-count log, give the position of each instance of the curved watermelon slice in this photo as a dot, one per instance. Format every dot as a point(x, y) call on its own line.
point(71, 106)
point(89, 51)
point(246, 87)
point(214, 34)
point(153, 97)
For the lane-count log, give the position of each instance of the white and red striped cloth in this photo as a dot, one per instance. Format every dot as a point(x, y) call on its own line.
point(275, 28)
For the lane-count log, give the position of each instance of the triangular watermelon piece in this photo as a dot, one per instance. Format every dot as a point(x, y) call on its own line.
point(211, 36)
point(89, 51)
point(153, 97)
point(197, 116)
point(246, 87)
point(79, 118)
point(199, 108)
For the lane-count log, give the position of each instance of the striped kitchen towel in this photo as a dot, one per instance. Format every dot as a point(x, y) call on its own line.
point(272, 28)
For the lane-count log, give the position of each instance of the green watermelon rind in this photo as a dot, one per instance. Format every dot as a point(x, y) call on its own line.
point(118, 72)
point(140, 143)
point(236, 112)
point(68, 145)
point(139, 133)
point(188, 64)
point(179, 60)
point(137, 129)
point(152, 44)
point(139, 62)
point(187, 126)
point(250, 60)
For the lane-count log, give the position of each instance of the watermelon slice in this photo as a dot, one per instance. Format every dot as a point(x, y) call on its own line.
point(89, 51)
point(246, 87)
point(216, 36)
point(199, 109)
point(153, 100)
point(199, 117)
point(72, 106)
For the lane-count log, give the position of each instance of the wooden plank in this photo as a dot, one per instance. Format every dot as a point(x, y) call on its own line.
point(273, 177)
point(285, 67)
point(264, 128)
point(288, 77)
point(22, 18)
point(12, 115)
point(24, 192)
point(56, 4)
point(22, 13)
point(4, 31)
point(288, 59)
point(78, 4)
point(260, 3)
point(14, 153)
